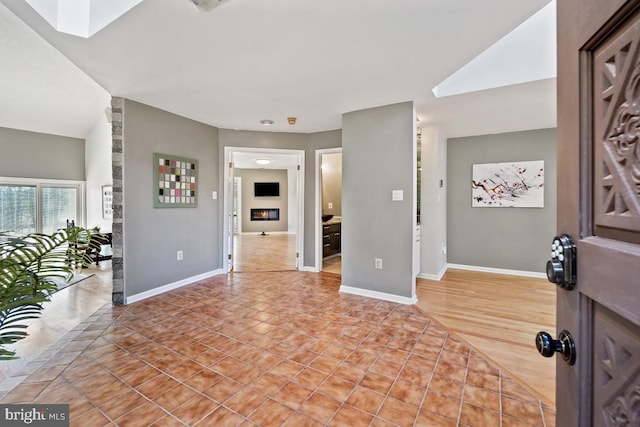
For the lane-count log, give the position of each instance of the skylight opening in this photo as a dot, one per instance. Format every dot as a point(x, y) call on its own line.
point(81, 18)
point(526, 54)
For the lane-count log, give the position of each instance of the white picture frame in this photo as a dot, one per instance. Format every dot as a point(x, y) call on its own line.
point(508, 185)
point(107, 201)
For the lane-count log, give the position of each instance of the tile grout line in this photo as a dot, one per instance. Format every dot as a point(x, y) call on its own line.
point(464, 384)
point(41, 363)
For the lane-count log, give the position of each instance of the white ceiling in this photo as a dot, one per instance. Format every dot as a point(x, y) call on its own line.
point(248, 60)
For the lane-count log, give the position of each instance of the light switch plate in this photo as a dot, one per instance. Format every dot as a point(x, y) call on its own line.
point(397, 195)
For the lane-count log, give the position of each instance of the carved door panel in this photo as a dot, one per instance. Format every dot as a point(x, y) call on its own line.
point(599, 204)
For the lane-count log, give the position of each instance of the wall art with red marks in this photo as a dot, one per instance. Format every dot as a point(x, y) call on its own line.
point(508, 185)
point(175, 181)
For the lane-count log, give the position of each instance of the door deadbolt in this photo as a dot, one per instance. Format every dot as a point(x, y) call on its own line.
point(564, 345)
point(561, 268)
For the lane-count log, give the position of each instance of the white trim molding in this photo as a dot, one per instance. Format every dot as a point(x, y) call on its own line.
point(171, 286)
point(498, 270)
point(433, 276)
point(378, 295)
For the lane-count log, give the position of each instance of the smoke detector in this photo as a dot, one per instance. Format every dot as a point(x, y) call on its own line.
point(207, 5)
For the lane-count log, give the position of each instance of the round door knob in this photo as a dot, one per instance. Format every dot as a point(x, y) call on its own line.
point(564, 345)
point(555, 271)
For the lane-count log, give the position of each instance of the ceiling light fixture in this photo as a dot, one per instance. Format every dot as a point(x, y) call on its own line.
point(266, 122)
point(263, 161)
point(207, 5)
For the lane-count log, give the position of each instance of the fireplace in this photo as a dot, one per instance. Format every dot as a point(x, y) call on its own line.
point(269, 214)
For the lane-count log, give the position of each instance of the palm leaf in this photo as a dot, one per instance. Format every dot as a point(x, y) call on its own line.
point(27, 266)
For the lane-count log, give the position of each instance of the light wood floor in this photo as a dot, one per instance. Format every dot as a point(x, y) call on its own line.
point(332, 265)
point(273, 252)
point(499, 316)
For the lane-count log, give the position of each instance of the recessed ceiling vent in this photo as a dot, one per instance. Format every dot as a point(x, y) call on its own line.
point(207, 5)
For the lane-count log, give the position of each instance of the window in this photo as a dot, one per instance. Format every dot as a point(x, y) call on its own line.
point(59, 204)
point(18, 208)
point(30, 205)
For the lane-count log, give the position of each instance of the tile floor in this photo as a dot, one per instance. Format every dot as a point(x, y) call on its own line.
point(272, 349)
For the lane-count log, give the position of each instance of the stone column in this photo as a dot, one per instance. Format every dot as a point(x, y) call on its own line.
point(117, 162)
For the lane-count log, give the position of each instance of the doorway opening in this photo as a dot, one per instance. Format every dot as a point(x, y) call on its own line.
point(329, 210)
point(263, 209)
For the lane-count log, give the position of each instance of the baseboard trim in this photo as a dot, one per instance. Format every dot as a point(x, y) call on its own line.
point(378, 295)
point(433, 276)
point(498, 270)
point(171, 286)
point(310, 269)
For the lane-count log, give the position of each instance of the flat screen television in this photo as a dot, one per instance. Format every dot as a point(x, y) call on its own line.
point(266, 189)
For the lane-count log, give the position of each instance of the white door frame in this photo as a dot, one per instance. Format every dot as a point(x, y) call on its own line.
point(318, 213)
point(238, 224)
point(228, 201)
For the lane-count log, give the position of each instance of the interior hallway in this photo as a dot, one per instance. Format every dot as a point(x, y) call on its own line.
point(229, 351)
point(273, 252)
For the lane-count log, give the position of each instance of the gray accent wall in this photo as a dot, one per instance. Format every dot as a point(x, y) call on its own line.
point(289, 141)
point(40, 155)
point(151, 236)
point(506, 238)
point(249, 201)
point(378, 156)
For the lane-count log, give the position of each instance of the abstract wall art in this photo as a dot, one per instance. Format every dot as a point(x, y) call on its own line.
point(175, 181)
point(511, 184)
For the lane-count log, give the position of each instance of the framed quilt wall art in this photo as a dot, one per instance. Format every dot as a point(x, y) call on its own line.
point(175, 181)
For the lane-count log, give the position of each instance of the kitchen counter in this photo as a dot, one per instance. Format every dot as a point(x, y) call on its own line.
point(334, 220)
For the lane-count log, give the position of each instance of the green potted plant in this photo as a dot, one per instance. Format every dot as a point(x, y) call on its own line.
point(28, 266)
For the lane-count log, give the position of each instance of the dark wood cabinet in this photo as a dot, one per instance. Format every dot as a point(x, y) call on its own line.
point(331, 239)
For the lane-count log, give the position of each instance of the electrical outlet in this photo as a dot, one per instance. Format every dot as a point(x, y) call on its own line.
point(444, 249)
point(180, 255)
point(378, 263)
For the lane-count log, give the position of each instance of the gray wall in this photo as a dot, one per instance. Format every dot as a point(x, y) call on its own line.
point(290, 141)
point(378, 156)
point(509, 238)
point(153, 236)
point(249, 201)
point(39, 155)
point(332, 183)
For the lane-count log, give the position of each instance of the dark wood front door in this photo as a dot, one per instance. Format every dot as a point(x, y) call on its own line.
point(599, 205)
